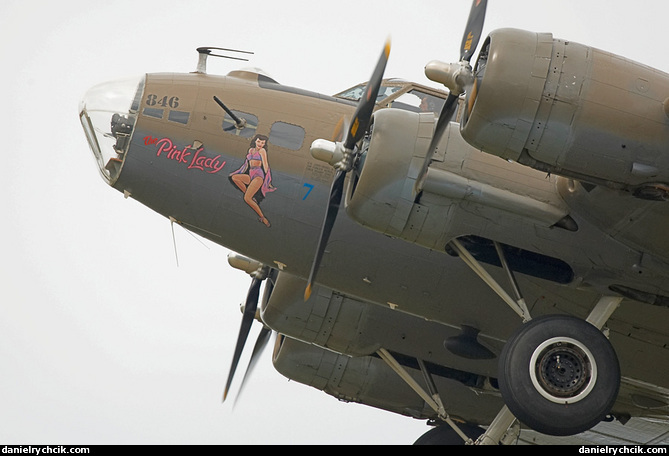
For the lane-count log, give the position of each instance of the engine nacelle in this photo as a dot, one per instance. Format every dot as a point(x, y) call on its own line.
point(369, 380)
point(366, 380)
point(382, 196)
point(328, 319)
point(570, 109)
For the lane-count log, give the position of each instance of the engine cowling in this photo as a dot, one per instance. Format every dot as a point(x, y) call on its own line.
point(381, 197)
point(330, 319)
point(569, 109)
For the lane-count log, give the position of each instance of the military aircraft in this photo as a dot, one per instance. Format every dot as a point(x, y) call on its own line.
point(489, 258)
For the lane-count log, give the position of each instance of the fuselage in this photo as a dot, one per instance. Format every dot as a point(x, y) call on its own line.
point(182, 152)
point(254, 188)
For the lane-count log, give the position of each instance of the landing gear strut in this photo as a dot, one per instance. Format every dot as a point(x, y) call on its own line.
point(558, 374)
point(445, 435)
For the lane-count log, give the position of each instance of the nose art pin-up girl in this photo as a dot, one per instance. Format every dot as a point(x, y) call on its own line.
point(254, 178)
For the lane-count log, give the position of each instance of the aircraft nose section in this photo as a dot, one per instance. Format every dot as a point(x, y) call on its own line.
point(108, 112)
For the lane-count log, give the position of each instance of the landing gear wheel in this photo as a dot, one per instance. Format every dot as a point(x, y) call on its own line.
point(559, 375)
point(445, 435)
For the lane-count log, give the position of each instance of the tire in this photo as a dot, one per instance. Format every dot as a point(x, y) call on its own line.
point(564, 399)
point(445, 435)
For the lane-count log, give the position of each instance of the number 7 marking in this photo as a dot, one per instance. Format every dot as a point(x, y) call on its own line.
point(310, 187)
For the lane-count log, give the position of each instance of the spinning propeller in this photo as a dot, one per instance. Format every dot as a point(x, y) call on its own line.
point(457, 77)
point(250, 307)
point(345, 154)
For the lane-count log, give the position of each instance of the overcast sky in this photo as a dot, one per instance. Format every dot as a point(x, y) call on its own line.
point(103, 339)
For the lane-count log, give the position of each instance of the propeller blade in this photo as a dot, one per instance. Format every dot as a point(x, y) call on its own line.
point(336, 192)
point(358, 127)
point(363, 112)
point(456, 82)
point(474, 28)
point(247, 319)
point(258, 348)
point(446, 115)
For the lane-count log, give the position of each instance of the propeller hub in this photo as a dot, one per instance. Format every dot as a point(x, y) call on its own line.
point(455, 76)
point(326, 151)
point(243, 263)
point(333, 153)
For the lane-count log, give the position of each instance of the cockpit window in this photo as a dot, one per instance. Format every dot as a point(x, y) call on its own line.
point(356, 93)
point(418, 101)
point(287, 135)
point(385, 92)
point(249, 129)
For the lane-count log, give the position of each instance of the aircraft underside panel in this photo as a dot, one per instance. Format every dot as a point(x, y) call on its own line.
point(350, 326)
point(368, 380)
point(333, 333)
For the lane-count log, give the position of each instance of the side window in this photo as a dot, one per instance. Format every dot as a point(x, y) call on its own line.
point(248, 131)
point(153, 112)
point(286, 135)
point(179, 117)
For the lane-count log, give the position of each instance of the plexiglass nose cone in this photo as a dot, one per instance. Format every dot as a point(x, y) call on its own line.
point(108, 112)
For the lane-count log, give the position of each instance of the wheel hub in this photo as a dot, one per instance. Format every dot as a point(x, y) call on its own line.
point(562, 370)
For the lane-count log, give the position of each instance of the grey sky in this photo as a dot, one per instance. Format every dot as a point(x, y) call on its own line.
point(103, 340)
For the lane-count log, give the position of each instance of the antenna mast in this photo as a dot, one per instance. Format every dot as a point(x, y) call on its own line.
point(205, 52)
